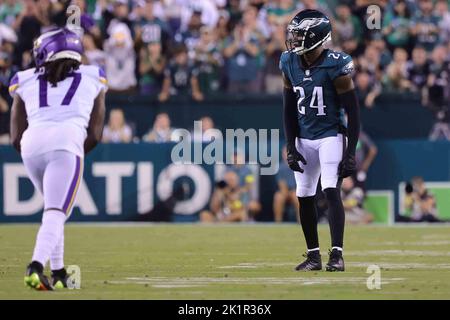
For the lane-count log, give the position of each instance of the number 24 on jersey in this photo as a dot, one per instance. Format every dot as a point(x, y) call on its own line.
point(316, 100)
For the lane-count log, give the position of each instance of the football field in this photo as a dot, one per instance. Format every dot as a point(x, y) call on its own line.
point(147, 261)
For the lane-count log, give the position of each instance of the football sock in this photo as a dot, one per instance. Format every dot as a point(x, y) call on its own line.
point(59, 273)
point(57, 256)
point(50, 232)
point(336, 216)
point(37, 266)
point(337, 248)
point(308, 220)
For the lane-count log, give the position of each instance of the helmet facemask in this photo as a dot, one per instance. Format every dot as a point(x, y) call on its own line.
point(302, 37)
point(295, 41)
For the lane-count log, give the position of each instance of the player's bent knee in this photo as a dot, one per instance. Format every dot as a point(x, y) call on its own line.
point(332, 195)
point(329, 183)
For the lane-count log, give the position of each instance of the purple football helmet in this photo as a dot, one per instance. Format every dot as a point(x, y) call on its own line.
point(57, 44)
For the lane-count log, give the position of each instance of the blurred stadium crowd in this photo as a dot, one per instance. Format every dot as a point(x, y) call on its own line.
point(195, 48)
point(198, 47)
point(163, 48)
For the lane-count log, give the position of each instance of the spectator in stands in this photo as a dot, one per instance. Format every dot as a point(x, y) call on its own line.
point(347, 29)
point(247, 183)
point(383, 51)
point(227, 202)
point(8, 38)
point(418, 69)
point(120, 59)
point(161, 131)
point(425, 26)
point(234, 9)
point(115, 13)
point(442, 10)
point(7, 71)
point(367, 89)
point(180, 77)
point(437, 79)
point(4, 121)
point(242, 51)
point(370, 62)
point(437, 93)
point(208, 60)
point(87, 21)
point(148, 28)
point(286, 193)
point(396, 75)
point(316, 5)
point(222, 28)
point(151, 68)
point(191, 35)
point(93, 55)
point(28, 24)
point(276, 45)
point(366, 151)
point(9, 10)
point(209, 132)
point(207, 10)
point(353, 201)
point(254, 19)
point(367, 80)
point(396, 24)
point(419, 205)
point(280, 12)
point(117, 130)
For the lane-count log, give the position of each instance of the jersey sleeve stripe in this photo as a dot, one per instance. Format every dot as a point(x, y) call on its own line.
point(12, 88)
point(102, 76)
point(14, 84)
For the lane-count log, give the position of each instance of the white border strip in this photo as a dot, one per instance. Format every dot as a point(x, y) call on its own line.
point(390, 195)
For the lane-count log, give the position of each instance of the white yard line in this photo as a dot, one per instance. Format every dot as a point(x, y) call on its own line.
point(386, 265)
point(416, 253)
point(402, 265)
point(166, 282)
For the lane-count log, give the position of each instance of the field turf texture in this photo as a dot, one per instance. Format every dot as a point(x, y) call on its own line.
point(191, 261)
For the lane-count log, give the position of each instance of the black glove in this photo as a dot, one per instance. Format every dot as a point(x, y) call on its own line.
point(347, 167)
point(293, 157)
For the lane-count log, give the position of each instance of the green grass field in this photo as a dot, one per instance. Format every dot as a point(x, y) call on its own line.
point(232, 262)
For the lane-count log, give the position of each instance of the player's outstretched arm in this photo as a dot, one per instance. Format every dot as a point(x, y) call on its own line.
point(19, 121)
point(291, 126)
point(95, 127)
point(348, 100)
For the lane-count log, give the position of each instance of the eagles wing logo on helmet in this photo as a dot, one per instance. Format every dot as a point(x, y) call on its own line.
point(308, 30)
point(307, 24)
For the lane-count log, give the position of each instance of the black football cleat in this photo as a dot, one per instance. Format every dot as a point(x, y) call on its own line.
point(336, 261)
point(60, 278)
point(35, 278)
point(313, 262)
